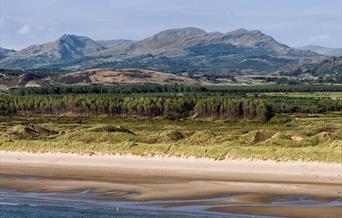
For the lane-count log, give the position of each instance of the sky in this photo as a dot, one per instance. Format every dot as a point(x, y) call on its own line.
point(293, 22)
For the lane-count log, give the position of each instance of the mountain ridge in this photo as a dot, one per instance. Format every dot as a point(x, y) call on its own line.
point(337, 52)
point(189, 49)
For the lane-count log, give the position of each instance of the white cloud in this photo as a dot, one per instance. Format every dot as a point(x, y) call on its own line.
point(320, 38)
point(26, 29)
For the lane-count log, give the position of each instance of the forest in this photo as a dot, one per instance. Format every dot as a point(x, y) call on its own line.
point(176, 88)
point(171, 107)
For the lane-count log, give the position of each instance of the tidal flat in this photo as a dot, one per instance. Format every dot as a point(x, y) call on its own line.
point(168, 186)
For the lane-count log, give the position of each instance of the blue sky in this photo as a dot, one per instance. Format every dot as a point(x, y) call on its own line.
point(293, 22)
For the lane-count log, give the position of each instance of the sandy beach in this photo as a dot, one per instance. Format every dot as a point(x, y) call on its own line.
point(167, 178)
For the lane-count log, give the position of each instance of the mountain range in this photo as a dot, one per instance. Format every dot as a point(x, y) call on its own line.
point(331, 66)
point(186, 50)
point(337, 52)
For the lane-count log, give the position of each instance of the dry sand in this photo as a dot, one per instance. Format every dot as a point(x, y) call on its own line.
point(163, 178)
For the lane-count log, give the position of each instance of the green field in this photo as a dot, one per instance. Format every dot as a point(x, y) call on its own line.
point(332, 95)
point(314, 137)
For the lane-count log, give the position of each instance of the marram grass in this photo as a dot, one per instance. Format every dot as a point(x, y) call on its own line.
point(307, 138)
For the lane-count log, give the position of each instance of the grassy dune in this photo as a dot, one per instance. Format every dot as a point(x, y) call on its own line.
point(290, 137)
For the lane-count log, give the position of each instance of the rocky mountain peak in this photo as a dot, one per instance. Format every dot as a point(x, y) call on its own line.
point(67, 47)
point(168, 42)
point(181, 32)
point(173, 38)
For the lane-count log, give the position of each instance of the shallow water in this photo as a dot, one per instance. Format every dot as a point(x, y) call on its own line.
point(33, 204)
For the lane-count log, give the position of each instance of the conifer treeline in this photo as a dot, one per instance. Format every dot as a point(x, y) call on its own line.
point(175, 88)
point(230, 108)
point(144, 106)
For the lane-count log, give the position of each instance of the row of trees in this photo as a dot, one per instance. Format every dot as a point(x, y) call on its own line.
point(145, 106)
point(304, 105)
point(176, 88)
point(115, 89)
point(230, 108)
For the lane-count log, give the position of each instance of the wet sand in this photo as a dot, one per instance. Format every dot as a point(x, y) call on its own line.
point(166, 178)
point(292, 211)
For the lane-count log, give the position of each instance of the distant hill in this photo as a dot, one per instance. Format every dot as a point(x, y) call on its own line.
point(5, 52)
point(120, 76)
point(329, 70)
point(330, 66)
point(106, 76)
point(190, 50)
point(65, 49)
point(337, 52)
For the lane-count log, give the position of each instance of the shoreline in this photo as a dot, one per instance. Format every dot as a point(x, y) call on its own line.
point(252, 166)
point(145, 179)
point(10, 154)
point(163, 168)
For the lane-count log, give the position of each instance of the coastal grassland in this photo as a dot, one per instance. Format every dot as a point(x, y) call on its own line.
point(315, 137)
